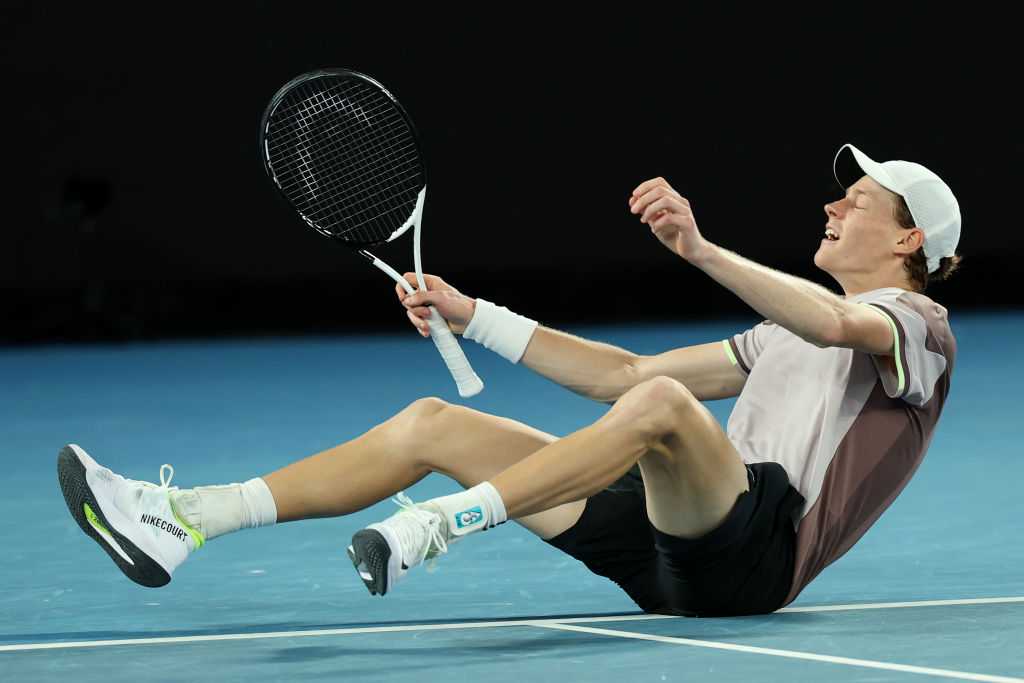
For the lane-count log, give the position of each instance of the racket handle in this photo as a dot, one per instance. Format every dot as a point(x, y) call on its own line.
point(465, 378)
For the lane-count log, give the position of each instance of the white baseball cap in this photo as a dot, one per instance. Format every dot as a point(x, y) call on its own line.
point(931, 202)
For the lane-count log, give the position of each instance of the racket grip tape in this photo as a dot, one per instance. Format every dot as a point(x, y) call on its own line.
point(466, 379)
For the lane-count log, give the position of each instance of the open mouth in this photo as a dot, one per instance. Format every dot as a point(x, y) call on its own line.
point(830, 235)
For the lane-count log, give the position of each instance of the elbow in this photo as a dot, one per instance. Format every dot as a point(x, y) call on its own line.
point(632, 371)
point(832, 332)
point(627, 377)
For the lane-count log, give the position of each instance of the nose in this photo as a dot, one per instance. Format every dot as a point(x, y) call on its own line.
point(832, 208)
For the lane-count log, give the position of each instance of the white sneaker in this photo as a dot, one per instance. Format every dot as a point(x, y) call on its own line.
point(384, 552)
point(132, 520)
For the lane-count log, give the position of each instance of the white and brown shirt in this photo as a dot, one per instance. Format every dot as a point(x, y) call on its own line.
point(850, 428)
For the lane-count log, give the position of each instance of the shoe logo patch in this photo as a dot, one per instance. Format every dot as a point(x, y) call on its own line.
point(468, 517)
point(164, 525)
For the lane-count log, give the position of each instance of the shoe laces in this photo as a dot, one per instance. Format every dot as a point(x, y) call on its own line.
point(411, 524)
point(166, 483)
point(165, 480)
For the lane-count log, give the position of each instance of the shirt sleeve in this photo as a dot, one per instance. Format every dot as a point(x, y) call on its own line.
point(744, 348)
point(912, 370)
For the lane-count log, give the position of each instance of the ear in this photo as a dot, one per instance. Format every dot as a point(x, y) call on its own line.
point(911, 240)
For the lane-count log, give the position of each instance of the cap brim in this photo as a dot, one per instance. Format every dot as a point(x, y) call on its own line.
point(869, 166)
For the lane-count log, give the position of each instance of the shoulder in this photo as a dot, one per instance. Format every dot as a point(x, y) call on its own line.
point(933, 317)
point(928, 309)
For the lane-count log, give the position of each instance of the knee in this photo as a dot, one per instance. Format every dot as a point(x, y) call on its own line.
point(423, 411)
point(420, 422)
point(657, 406)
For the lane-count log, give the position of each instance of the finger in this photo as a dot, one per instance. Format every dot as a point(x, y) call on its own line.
point(431, 281)
point(663, 221)
point(669, 203)
point(639, 202)
point(400, 289)
point(421, 325)
point(428, 298)
point(424, 298)
point(677, 221)
point(648, 185)
point(642, 201)
point(679, 200)
point(643, 204)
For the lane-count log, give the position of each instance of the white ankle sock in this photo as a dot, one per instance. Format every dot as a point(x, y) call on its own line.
point(475, 509)
point(216, 510)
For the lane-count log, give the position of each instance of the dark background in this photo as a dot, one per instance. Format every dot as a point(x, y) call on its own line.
point(136, 205)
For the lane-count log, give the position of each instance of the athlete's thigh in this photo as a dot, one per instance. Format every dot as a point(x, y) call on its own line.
point(694, 476)
point(478, 445)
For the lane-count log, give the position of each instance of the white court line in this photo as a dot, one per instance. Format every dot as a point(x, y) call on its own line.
point(792, 654)
point(467, 625)
point(892, 605)
point(325, 632)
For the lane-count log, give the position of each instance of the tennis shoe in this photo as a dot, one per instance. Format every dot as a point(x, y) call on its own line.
point(133, 521)
point(384, 552)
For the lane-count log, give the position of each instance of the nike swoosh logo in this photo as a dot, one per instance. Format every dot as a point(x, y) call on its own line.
point(104, 533)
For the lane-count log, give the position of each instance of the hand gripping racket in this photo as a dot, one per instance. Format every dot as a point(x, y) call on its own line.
point(345, 155)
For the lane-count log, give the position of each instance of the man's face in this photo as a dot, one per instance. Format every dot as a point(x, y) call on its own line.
point(865, 223)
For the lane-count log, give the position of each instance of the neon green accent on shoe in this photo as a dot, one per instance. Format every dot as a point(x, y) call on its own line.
point(197, 537)
point(95, 522)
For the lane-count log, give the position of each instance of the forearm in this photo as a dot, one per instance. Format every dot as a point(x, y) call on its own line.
point(593, 369)
point(802, 307)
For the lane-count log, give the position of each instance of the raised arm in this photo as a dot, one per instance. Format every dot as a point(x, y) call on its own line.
point(806, 309)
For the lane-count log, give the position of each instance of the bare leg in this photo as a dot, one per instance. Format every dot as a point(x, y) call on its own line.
point(428, 436)
point(691, 471)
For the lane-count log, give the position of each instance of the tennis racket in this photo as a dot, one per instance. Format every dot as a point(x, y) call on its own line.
point(344, 153)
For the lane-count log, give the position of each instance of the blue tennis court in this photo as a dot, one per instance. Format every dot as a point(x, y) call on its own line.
point(934, 589)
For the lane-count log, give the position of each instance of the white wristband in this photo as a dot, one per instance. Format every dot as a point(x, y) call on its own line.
point(500, 330)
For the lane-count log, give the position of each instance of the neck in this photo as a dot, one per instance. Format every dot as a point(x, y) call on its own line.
point(854, 284)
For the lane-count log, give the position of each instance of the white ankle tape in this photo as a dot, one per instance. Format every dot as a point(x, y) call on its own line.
point(500, 330)
point(217, 510)
point(259, 502)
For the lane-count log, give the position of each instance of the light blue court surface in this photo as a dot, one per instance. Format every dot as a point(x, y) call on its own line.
point(284, 604)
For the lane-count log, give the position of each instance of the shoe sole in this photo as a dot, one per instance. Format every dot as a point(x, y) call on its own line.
point(77, 494)
point(371, 556)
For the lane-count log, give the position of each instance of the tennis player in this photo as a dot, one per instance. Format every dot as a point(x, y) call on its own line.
point(839, 397)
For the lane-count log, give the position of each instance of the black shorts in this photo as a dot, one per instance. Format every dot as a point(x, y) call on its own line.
point(744, 566)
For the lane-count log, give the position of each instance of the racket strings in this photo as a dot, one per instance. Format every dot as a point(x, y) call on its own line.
point(304, 110)
point(366, 182)
point(358, 190)
point(320, 138)
point(367, 187)
point(385, 202)
point(362, 191)
point(345, 156)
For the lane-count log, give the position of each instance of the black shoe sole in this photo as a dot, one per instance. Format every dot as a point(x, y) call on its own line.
point(371, 550)
point(71, 475)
